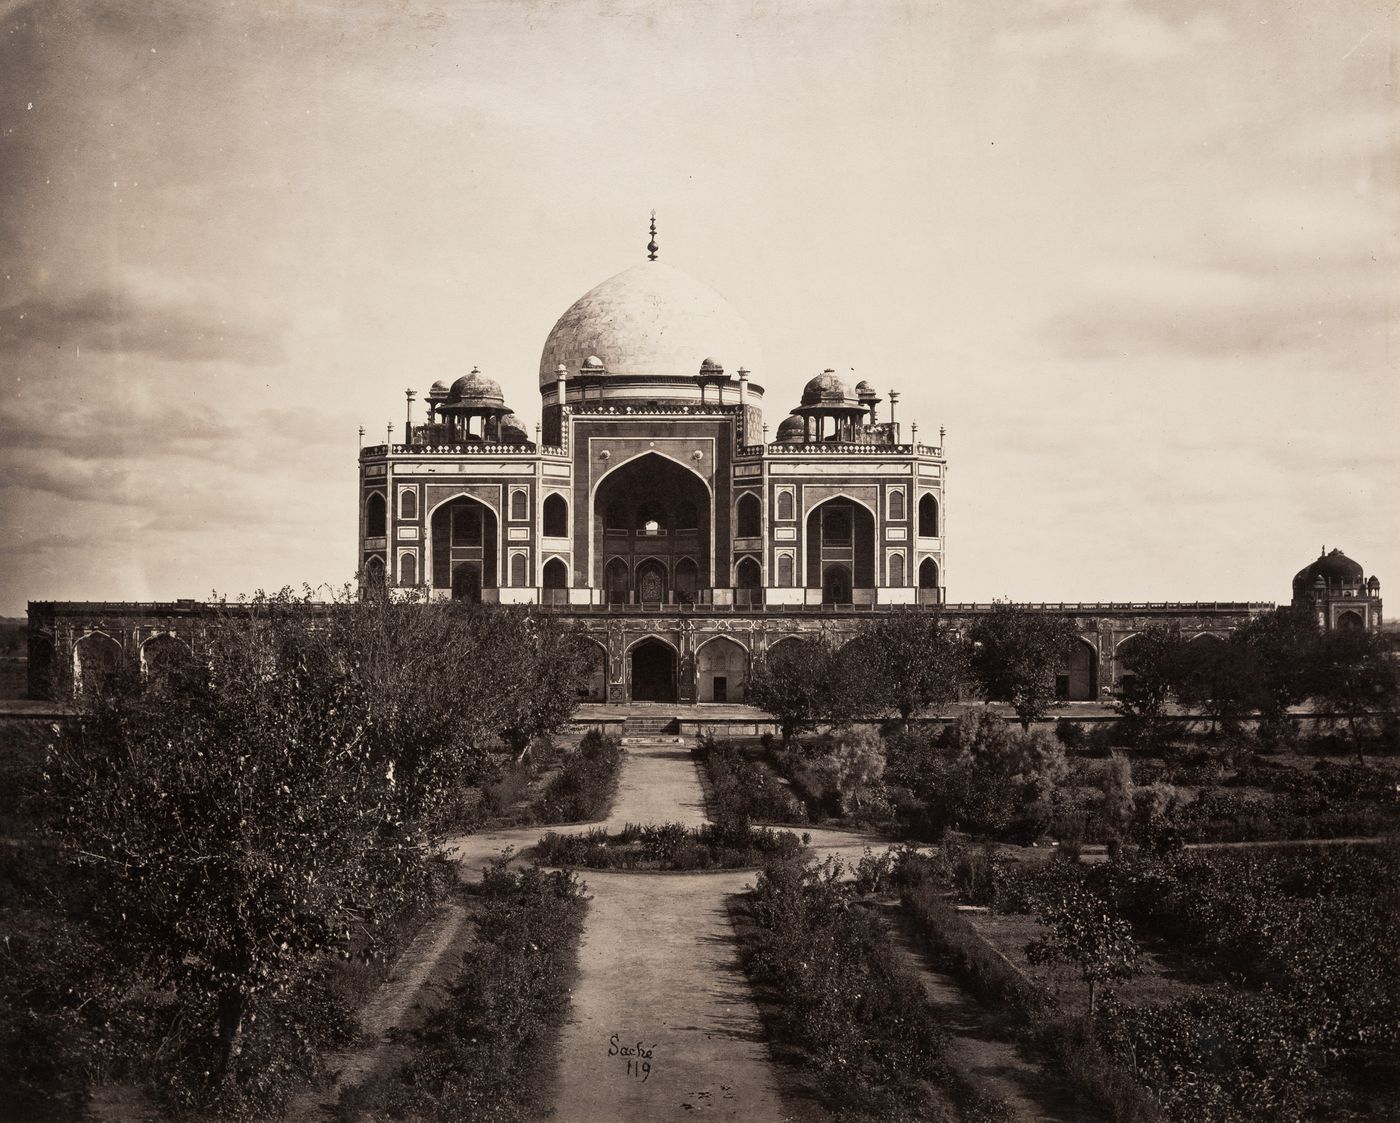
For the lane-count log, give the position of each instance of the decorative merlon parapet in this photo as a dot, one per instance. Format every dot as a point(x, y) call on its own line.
point(379, 452)
point(841, 448)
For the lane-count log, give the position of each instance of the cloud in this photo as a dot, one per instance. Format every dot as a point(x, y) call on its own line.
point(1205, 311)
point(1120, 30)
point(118, 320)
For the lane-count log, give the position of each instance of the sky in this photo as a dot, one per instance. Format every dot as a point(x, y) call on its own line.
point(1141, 258)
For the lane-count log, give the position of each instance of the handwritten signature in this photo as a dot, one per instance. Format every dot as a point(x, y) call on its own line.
point(638, 1057)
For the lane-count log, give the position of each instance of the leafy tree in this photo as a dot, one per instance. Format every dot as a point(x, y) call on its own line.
point(247, 813)
point(1355, 681)
point(1285, 647)
point(1219, 678)
point(1152, 662)
point(917, 663)
point(799, 684)
point(1116, 793)
point(982, 774)
point(1015, 653)
point(1086, 931)
point(854, 766)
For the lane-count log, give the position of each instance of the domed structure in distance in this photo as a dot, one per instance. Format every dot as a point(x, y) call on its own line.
point(1334, 588)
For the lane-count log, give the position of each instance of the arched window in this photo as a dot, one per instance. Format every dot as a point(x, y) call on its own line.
point(408, 503)
point(928, 574)
point(615, 581)
point(556, 516)
point(747, 574)
point(896, 506)
point(651, 517)
point(408, 569)
point(928, 517)
point(896, 570)
point(374, 574)
point(748, 516)
point(785, 571)
point(687, 580)
point(517, 570)
point(784, 505)
point(519, 506)
point(375, 515)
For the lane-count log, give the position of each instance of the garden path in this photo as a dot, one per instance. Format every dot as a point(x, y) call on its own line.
point(980, 1046)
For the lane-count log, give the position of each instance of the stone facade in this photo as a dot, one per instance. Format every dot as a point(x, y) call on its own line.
point(653, 509)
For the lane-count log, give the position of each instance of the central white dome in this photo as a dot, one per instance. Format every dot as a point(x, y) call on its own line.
point(650, 320)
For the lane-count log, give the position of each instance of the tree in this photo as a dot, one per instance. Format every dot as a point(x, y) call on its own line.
point(1085, 930)
point(253, 810)
point(798, 684)
point(918, 664)
point(1354, 680)
point(1152, 662)
point(1220, 678)
point(1285, 646)
point(854, 766)
point(1015, 654)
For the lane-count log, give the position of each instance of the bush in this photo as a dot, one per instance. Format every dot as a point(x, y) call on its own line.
point(583, 789)
point(743, 789)
point(846, 998)
point(1071, 734)
point(478, 1057)
point(670, 846)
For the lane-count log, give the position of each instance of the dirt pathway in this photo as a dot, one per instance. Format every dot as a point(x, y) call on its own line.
point(401, 1002)
point(658, 966)
point(982, 1047)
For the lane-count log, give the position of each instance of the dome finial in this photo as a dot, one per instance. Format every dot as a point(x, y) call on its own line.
point(652, 247)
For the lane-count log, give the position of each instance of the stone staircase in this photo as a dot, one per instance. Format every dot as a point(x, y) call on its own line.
point(650, 724)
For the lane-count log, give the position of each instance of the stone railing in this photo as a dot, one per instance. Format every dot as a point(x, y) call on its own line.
point(840, 448)
point(679, 409)
point(374, 452)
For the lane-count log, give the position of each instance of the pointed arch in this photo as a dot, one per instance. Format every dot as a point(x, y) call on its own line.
point(748, 516)
point(721, 670)
point(928, 515)
point(376, 515)
point(97, 658)
point(555, 516)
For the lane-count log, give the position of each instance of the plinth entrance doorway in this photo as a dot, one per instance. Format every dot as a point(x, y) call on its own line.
point(653, 667)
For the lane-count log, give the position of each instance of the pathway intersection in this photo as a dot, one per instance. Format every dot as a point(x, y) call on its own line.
point(659, 968)
point(663, 1025)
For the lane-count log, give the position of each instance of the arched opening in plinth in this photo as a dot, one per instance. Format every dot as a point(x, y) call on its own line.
point(1077, 679)
point(97, 659)
point(721, 671)
point(653, 671)
point(593, 681)
point(1350, 622)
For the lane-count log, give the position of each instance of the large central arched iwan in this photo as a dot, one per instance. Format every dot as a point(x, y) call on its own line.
point(651, 532)
point(840, 549)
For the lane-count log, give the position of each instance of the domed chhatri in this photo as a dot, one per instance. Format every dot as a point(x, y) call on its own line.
point(476, 388)
point(1336, 590)
point(825, 389)
point(649, 321)
point(791, 430)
